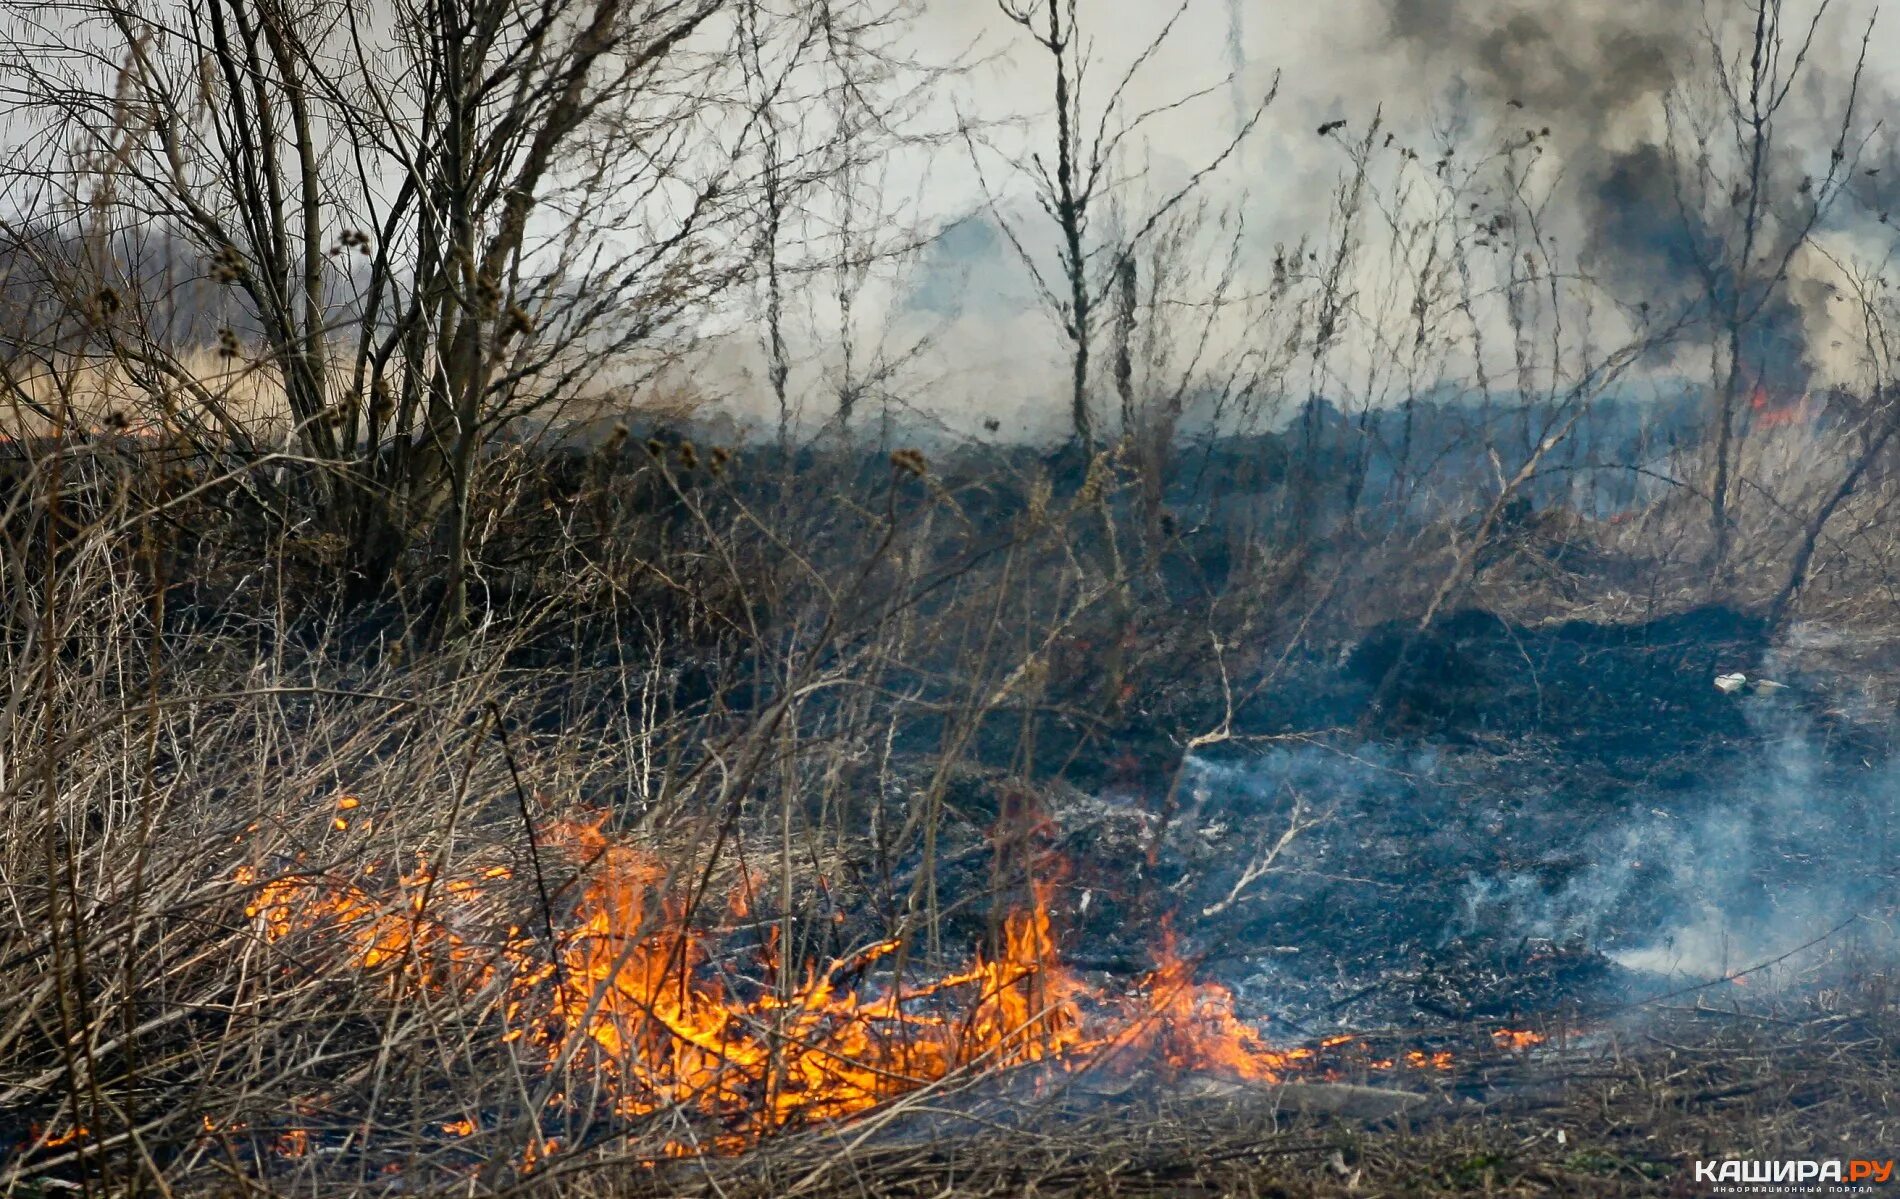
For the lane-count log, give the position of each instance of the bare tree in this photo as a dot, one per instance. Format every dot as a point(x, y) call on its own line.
point(1088, 172)
point(1751, 216)
point(428, 220)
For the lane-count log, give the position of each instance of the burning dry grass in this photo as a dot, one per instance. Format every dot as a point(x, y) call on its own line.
point(328, 990)
point(221, 956)
point(312, 920)
point(402, 982)
point(647, 1015)
point(1623, 1113)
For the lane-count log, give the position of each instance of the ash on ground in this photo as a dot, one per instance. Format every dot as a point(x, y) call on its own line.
point(1555, 821)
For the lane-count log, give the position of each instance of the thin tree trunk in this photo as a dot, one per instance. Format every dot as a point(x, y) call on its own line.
point(1070, 215)
point(1804, 553)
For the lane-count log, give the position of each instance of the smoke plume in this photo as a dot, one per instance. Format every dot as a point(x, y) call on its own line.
point(1767, 865)
point(1598, 76)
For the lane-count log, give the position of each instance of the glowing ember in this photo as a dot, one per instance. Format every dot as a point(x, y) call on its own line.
point(1517, 1038)
point(55, 1140)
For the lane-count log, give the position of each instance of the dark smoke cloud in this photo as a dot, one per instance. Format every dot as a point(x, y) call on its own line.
point(1585, 69)
point(1578, 59)
point(1645, 242)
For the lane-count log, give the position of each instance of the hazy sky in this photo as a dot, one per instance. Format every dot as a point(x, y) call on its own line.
point(1573, 61)
point(1593, 73)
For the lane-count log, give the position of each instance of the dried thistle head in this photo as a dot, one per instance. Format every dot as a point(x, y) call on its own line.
point(720, 456)
point(656, 447)
point(616, 438)
point(227, 343)
point(227, 265)
point(518, 321)
point(689, 456)
point(381, 405)
point(911, 462)
point(350, 239)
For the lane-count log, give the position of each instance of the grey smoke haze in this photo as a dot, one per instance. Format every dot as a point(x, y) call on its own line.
point(1586, 60)
point(1594, 74)
point(1597, 75)
point(1777, 857)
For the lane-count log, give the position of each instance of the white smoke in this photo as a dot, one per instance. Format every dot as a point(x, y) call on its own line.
point(1701, 887)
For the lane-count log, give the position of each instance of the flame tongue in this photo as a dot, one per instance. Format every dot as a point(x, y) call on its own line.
point(627, 993)
point(1192, 1026)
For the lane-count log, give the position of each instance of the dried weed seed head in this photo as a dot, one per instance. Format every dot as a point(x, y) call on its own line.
point(227, 266)
point(1095, 486)
point(616, 440)
point(1041, 492)
point(381, 405)
point(519, 321)
point(911, 462)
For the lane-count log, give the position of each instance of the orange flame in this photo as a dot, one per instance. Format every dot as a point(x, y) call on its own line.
point(1773, 413)
point(78, 1132)
point(1193, 1026)
point(627, 992)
